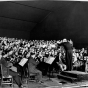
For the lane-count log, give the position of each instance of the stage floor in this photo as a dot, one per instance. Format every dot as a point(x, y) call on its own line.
point(52, 83)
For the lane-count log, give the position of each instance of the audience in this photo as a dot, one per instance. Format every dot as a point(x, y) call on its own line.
point(14, 50)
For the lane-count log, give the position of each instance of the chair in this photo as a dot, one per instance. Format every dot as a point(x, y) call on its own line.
point(6, 79)
point(32, 77)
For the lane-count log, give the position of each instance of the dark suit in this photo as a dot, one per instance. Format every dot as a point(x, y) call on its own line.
point(32, 64)
point(68, 48)
point(13, 74)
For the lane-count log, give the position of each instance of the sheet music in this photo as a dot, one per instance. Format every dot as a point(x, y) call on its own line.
point(50, 60)
point(23, 61)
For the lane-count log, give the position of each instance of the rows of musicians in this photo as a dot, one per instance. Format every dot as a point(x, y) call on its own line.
point(39, 57)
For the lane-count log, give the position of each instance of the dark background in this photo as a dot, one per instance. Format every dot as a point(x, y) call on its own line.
point(46, 20)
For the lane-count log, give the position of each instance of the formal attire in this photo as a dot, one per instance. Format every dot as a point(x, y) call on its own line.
point(32, 64)
point(15, 75)
point(69, 51)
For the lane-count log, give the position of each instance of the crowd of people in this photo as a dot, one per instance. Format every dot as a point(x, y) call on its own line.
point(21, 48)
point(14, 50)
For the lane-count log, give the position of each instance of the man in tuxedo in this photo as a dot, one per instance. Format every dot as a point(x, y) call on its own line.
point(32, 68)
point(12, 72)
point(69, 51)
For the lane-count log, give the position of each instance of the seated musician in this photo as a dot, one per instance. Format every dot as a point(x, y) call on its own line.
point(12, 70)
point(32, 68)
point(61, 64)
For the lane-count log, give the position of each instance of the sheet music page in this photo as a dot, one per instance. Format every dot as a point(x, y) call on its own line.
point(50, 60)
point(23, 61)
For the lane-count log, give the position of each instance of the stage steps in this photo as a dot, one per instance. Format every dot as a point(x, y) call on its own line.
point(73, 76)
point(71, 79)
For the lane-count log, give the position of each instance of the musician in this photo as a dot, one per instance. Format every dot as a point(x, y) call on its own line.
point(60, 63)
point(69, 51)
point(32, 67)
point(12, 70)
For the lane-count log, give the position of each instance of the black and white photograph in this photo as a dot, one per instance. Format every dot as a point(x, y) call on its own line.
point(44, 44)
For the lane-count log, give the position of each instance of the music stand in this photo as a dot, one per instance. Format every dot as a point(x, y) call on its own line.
point(23, 62)
point(50, 61)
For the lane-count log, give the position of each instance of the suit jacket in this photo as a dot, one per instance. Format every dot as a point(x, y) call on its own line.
point(7, 65)
point(67, 46)
point(32, 64)
point(4, 62)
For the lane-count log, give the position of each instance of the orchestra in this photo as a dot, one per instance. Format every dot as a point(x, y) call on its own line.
point(39, 56)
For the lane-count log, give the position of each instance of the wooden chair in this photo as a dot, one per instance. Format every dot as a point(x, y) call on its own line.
point(32, 77)
point(6, 79)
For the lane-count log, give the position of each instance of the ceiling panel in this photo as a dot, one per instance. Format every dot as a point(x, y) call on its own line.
point(17, 11)
point(62, 5)
point(6, 23)
point(46, 5)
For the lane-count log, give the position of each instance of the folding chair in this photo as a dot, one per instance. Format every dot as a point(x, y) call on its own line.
point(6, 79)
